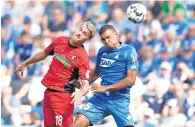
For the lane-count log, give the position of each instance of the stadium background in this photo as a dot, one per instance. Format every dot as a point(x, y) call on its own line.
point(164, 94)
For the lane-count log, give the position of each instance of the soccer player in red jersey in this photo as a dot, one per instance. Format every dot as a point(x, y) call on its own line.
point(70, 62)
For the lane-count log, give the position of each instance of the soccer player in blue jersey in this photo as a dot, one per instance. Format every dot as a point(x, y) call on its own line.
point(117, 66)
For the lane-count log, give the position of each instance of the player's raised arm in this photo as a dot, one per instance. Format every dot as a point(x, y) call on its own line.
point(41, 55)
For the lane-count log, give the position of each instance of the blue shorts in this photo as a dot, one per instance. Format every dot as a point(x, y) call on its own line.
point(98, 108)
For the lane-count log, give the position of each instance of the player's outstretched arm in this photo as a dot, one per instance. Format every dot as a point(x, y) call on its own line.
point(34, 59)
point(93, 76)
point(129, 80)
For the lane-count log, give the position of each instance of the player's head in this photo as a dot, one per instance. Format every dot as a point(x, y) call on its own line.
point(85, 32)
point(109, 36)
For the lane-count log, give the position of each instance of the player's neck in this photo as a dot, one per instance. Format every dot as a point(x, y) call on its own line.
point(73, 44)
point(118, 44)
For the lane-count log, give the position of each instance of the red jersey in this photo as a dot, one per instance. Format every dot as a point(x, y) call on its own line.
point(68, 63)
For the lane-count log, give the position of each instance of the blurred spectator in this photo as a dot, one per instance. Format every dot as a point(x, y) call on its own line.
point(80, 7)
point(169, 9)
point(177, 91)
point(58, 24)
point(35, 11)
point(75, 22)
point(15, 9)
point(146, 61)
point(23, 50)
point(155, 8)
point(117, 4)
point(5, 77)
point(132, 40)
point(150, 23)
point(92, 54)
point(189, 40)
point(171, 115)
point(8, 35)
point(36, 121)
point(26, 118)
point(10, 108)
point(189, 104)
point(163, 56)
point(49, 8)
point(119, 20)
point(191, 11)
point(183, 74)
point(179, 24)
point(5, 61)
point(148, 121)
point(4, 40)
point(188, 56)
point(97, 13)
point(161, 80)
point(33, 28)
point(24, 47)
point(153, 40)
point(171, 43)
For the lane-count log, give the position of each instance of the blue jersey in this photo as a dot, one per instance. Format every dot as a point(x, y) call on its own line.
point(112, 66)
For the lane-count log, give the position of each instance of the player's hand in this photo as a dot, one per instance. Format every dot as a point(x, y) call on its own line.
point(75, 83)
point(76, 98)
point(20, 68)
point(99, 88)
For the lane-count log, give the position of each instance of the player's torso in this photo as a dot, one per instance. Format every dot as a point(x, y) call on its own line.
point(63, 67)
point(113, 64)
point(65, 57)
point(112, 69)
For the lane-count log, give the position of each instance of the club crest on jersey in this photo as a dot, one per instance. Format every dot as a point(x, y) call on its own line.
point(63, 60)
point(73, 58)
point(106, 62)
point(117, 56)
point(104, 54)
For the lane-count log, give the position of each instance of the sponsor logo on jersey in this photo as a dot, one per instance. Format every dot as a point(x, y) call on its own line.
point(106, 62)
point(63, 60)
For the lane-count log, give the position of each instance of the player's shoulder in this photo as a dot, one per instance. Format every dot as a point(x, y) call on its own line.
point(103, 49)
point(81, 52)
point(61, 39)
point(128, 48)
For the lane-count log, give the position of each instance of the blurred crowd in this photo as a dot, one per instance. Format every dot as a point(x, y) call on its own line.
point(164, 93)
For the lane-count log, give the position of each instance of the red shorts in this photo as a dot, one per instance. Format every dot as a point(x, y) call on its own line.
point(57, 109)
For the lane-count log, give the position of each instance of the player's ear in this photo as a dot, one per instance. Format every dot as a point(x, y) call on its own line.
point(116, 33)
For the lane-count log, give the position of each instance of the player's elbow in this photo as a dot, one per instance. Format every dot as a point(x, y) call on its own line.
point(131, 81)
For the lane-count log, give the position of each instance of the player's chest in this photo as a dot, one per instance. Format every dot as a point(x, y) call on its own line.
point(111, 59)
point(66, 57)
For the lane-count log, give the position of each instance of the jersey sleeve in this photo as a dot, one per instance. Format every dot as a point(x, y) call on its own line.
point(83, 66)
point(132, 62)
point(98, 60)
point(49, 50)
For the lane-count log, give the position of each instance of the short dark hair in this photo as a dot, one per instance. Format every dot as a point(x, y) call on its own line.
point(106, 27)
